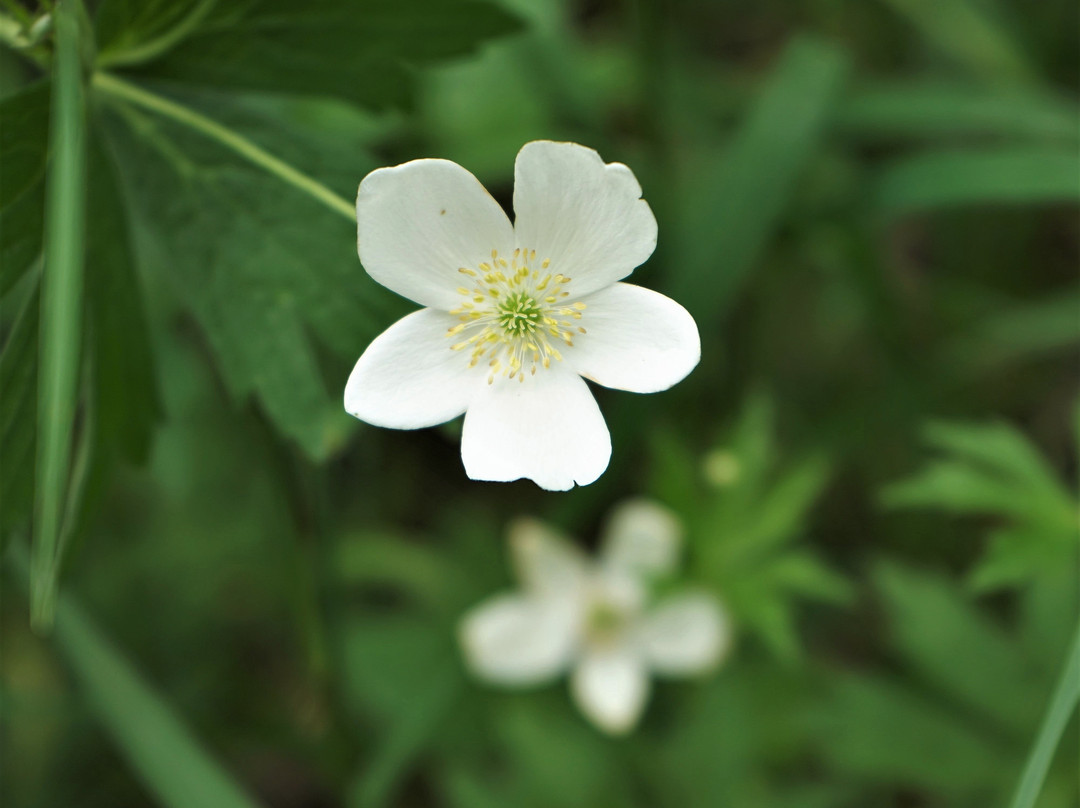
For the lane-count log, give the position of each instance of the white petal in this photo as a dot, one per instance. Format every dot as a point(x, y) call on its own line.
point(516, 640)
point(546, 428)
point(685, 634)
point(637, 340)
point(409, 378)
point(588, 218)
point(546, 562)
point(610, 686)
point(642, 538)
point(417, 223)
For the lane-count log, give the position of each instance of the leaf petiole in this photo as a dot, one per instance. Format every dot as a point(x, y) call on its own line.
point(121, 89)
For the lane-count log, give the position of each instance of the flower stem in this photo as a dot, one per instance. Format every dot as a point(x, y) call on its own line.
point(61, 310)
point(119, 88)
point(1062, 705)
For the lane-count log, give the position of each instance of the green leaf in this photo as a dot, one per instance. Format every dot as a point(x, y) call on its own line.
point(157, 745)
point(964, 30)
point(878, 731)
point(23, 141)
point(735, 204)
point(258, 263)
point(952, 178)
point(558, 758)
point(418, 571)
point(997, 446)
point(937, 109)
point(127, 402)
point(61, 309)
point(358, 52)
point(130, 31)
point(408, 736)
point(1061, 708)
point(992, 469)
point(23, 152)
point(1021, 330)
point(18, 416)
point(947, 640)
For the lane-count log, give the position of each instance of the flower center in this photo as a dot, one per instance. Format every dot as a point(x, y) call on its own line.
point(605, 623)
point(514, 313)
point(520, 314)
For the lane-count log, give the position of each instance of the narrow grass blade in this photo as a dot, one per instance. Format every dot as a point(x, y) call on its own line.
point(964, 30)
point(61, 309)
point(933, 109)
point(1062, 705)
point(735, 206)
point(943, 179)
point(159, 747)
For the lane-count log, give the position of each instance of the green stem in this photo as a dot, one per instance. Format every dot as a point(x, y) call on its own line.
point(61, 310)
point(1057, 717)
point(119, 88)
point(149, 51)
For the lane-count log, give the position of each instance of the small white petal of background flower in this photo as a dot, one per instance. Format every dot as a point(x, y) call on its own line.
point(517, 314)
point(685, 634)
point(642, 538)
point(594, 619)
point(610, 686)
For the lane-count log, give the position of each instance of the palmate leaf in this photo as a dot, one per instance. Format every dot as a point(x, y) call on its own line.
point(358, 52)
point(956, 728)
point(23, 151)
point(258, 264)
point(126, 400)
point(18, 416)
point(124, 29)
point(742, 517)
point(992, 469)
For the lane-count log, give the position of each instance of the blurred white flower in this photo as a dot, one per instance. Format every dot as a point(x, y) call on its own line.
point(595, 619)
point(516, 314)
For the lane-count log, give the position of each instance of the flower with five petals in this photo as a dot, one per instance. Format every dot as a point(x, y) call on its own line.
point(596, 620)
point(515, 314)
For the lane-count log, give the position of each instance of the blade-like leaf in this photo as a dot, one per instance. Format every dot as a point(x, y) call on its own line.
point(880, 731)
point(953, 178)
point(964, 30)
point(157, 745)
point(61, 310)
point(1062, 705)
point(735, 205)
point(1023, 329)
point(946, 638)
point(935, 109)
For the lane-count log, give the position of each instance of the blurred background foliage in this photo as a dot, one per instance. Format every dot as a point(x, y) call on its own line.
point(870, 209)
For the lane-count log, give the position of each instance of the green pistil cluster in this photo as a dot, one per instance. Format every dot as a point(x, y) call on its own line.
point(519, 314)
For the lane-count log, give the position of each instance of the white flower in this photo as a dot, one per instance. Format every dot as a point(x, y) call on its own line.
point(516, 314)
point(595, 619)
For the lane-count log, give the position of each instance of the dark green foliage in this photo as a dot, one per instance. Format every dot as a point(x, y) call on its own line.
point(357, 52)
point(870, 209)
point(23, 144)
